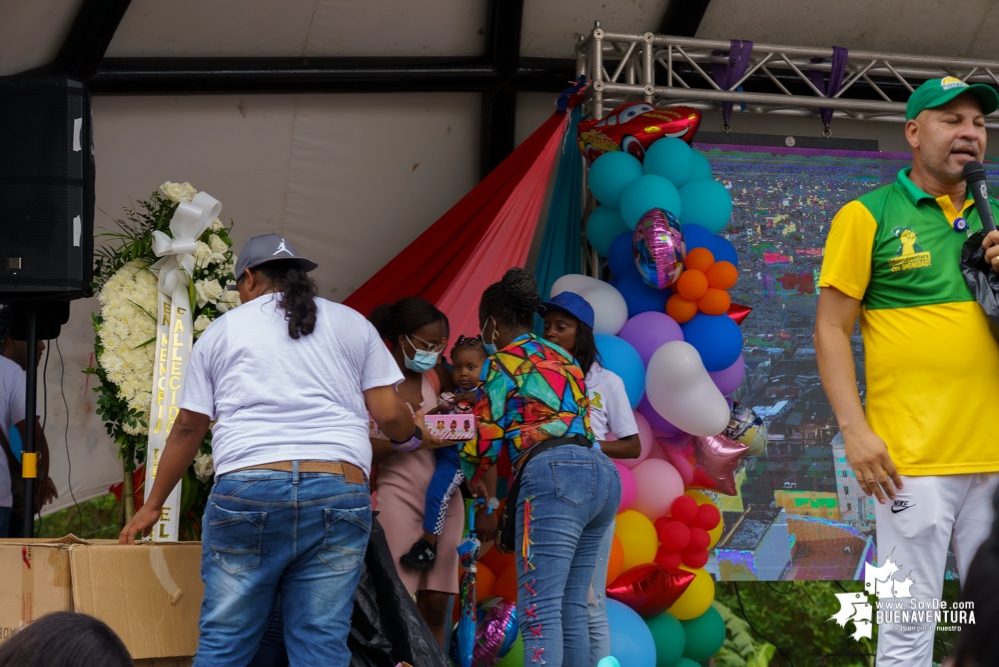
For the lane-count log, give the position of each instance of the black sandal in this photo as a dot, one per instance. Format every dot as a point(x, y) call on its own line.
point(421, 556)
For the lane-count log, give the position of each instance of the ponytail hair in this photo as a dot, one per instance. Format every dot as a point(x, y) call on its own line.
point(405, 317)
point(298, 293)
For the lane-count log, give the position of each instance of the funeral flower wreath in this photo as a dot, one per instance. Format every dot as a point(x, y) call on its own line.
point(126, 282)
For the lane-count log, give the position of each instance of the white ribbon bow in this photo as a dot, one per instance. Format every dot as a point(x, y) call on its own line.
point(188, 223)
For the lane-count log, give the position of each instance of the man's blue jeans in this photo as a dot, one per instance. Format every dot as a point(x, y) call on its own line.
point(568, 496)
point(303, 535)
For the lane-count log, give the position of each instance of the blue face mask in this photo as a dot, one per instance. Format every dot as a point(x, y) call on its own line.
point(490, 346)
point(422, 360)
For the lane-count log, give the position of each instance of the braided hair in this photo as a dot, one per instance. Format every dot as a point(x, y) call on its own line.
point(298, 293)
point(513, 300)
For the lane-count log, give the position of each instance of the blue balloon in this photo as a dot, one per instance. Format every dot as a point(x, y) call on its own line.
point(696, 236)
point(618, 356)
point(670, 158)
point(705, 202)
point(639, 296)
point(603, 226)
point(610, 173)
point(717, 338)
point(621, 256)
point(646, 193)
point(725, 251)
point(631, 639)
point(699, 167)
point(613, 281)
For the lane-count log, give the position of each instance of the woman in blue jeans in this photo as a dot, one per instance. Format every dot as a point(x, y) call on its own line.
point(533, 402)
point(288, 379)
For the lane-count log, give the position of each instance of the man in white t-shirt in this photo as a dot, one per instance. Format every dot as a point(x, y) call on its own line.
point(288, 378)
point(13, 363)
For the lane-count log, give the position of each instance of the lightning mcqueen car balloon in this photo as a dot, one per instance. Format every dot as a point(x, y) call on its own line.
point(633, 127)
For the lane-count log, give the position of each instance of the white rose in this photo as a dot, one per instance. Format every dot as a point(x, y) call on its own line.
point(228, 301)
point(217, 244)
point(202, 254)
point(216, 225)
point(178, 192)
point(204, 467)
point(201, 323)
point(207, 291)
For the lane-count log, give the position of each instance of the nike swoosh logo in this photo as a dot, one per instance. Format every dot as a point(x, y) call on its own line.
point(896, 510)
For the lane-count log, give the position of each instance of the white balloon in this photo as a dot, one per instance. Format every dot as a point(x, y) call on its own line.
point(680, 389)
point(610, 311)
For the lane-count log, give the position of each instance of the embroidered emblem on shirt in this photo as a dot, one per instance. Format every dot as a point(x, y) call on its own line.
point(910, 255)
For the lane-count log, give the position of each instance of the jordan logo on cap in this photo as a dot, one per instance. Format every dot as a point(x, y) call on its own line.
point(281, 248)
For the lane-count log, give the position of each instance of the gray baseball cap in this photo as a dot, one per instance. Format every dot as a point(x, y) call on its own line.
point(268, 248)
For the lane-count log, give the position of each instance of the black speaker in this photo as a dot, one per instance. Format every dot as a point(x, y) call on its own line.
point(46, 189)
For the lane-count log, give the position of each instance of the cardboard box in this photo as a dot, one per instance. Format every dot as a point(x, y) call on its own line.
point(459, 428)
point(149, 594)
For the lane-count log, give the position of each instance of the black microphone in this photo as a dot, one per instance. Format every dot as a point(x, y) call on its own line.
point(974, 174)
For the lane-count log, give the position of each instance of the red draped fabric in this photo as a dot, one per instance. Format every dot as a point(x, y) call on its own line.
point(445, 263)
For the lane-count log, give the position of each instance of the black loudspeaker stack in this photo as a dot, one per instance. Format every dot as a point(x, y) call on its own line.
point(46, 222)
point(46, 189)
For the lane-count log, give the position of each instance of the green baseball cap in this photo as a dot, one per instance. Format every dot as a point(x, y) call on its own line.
point(937, 92)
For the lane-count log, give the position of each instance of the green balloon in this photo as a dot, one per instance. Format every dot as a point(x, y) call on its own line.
point(687, 662)
point(705, 635)
point(515, 658)
point(669, 637)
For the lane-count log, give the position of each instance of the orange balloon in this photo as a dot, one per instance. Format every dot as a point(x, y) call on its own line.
point(714, 302)
point(692, 284)
point(485, 583)
point(506, 585)
point(496, 561)
point(722, 275)
point(680, 309)
point(616, 560)
point(699, 259)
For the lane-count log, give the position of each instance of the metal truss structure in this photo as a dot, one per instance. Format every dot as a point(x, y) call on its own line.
point(677, 70)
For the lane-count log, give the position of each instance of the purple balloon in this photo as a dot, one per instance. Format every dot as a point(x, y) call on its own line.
point(649, 331)
point(656, 420)
point(659, 248)
point(496, 633)
point(728, 379)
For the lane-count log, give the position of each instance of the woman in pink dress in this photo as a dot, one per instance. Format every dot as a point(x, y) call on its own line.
point(416, 332)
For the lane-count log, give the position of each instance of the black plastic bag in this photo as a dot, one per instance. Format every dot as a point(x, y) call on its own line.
point(386, 627)
point(983, 281)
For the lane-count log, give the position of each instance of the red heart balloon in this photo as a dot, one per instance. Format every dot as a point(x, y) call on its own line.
point(650, 589)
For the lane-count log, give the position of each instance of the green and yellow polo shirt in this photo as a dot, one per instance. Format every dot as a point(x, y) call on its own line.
point(932, 364)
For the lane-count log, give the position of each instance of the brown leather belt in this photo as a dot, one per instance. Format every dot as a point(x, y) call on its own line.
point(351, 473)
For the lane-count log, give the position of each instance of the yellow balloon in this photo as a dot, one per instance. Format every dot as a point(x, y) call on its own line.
point(638, 539)
point(716, 532)
point(697, 598)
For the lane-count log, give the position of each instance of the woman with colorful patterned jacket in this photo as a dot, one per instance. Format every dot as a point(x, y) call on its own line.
point(533, 402)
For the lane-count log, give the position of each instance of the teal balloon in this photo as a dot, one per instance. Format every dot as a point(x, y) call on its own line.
point(610, 174)
point(704, 202)
point(705, 635)
point(686, 662)
point(603, 226)
point(646, 193)
point(699, 167)
point(670, 158)
point(515, 658)
point(669, 637)
point(609, 661)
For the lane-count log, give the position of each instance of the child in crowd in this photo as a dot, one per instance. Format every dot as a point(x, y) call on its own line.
point(467, 357)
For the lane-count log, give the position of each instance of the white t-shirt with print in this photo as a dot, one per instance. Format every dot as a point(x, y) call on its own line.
point(280, 399)
point(610, 409)
point(12, 390)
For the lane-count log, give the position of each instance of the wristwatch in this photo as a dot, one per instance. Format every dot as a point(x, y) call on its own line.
point(409, 445)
